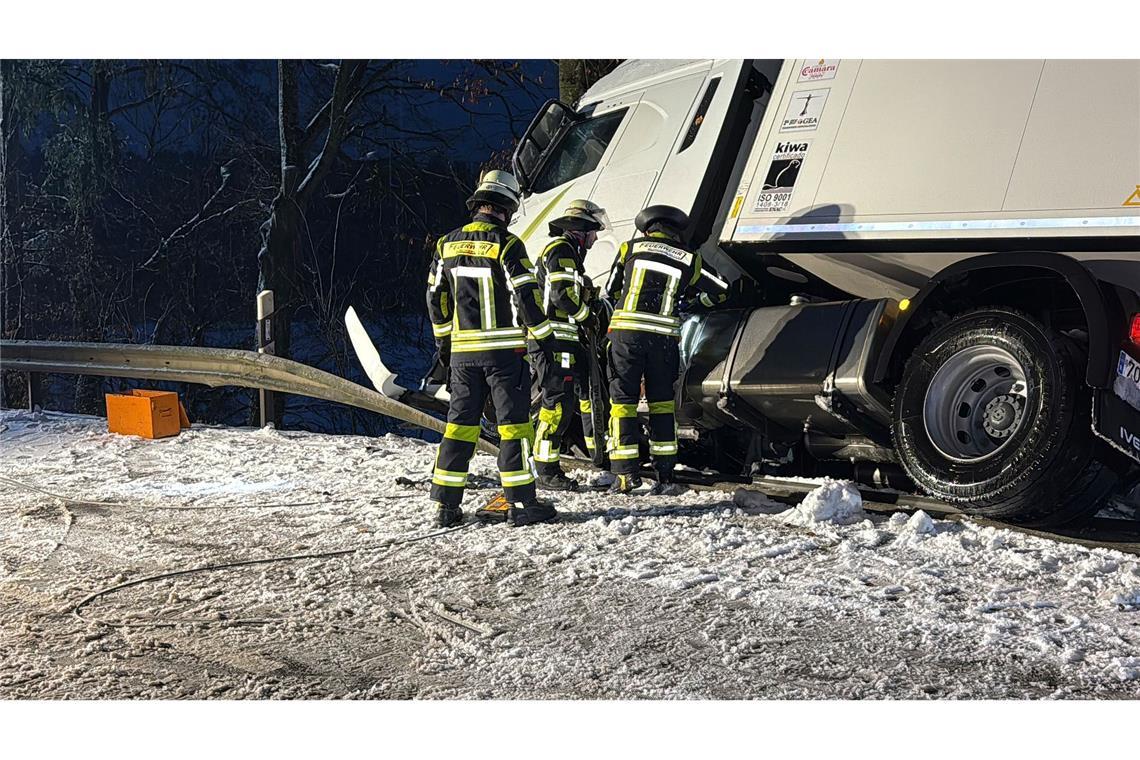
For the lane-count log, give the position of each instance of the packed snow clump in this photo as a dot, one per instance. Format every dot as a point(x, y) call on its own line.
point(833, 501)
point(1128, 601)
point(747, 498)
point(1127, 668)
point(919, 524)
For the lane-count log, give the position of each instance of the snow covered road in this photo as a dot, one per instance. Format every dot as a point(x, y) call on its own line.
point(698, 595)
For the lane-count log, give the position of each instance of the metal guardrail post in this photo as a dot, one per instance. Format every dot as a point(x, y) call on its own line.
point(266, 345)
point(35, 390)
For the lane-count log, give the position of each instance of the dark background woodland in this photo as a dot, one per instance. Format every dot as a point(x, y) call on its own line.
point(149, 201)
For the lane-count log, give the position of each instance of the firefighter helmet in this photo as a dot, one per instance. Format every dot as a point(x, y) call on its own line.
point(581, 216)
point(669, 216)
point(497, 188)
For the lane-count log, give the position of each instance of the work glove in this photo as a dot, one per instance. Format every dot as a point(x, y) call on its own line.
point(440, 372)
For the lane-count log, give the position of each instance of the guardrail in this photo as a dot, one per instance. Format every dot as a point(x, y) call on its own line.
point(206, 366)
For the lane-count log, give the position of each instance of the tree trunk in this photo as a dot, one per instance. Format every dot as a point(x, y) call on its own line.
point(571, 79)
point(278, 260)
point(11, 274)
point(8, 272)
point(87, 324)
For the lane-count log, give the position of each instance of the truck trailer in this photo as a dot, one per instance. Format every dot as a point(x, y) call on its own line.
point(936, 263)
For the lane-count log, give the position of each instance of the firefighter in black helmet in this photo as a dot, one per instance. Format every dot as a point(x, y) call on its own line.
point(650, 275)
point(566, 297)
point(480, 284)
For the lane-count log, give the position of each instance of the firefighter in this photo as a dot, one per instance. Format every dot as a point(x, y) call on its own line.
point(563, 375)
point(650, 275)
point(480, 284)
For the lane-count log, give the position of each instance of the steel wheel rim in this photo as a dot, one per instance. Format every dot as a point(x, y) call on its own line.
point(975, 403)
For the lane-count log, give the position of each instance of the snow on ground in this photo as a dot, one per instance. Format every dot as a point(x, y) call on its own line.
point(704, 594)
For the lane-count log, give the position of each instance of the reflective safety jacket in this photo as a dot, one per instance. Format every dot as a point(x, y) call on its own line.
point(648, 276)
point(482, 293)
point(563, 284)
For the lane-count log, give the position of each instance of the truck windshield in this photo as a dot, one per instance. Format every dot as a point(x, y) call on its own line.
point(579, 151)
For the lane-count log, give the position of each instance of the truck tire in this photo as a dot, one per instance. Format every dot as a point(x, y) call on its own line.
point(992, 414)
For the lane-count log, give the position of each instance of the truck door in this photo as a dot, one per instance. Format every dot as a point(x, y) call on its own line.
point(670, 147)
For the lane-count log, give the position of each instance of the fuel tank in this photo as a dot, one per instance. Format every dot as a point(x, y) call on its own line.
point(794, 369)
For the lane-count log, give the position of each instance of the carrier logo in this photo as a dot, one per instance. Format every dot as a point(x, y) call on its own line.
point(1129, 439)
point(825, 68)
point(805, 110)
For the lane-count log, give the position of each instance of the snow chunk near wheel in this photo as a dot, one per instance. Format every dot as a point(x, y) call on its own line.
point(834, 501)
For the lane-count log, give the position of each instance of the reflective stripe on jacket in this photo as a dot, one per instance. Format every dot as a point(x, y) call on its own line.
point(649, 275)
point(482, 292)
point(561, 280)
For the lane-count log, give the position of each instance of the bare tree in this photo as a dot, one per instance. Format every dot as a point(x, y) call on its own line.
point(279, 255)
point(575, 75)
point(133, 193)
point(7, 251)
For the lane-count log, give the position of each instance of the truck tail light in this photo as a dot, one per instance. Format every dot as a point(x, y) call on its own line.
point(1134, 330)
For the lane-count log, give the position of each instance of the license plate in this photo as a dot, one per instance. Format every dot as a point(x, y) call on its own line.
point(1128, 367)
point(1126, 386)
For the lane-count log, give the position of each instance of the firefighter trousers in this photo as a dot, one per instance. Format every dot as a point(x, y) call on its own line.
point(562, 382)
point(507, 382)
point(637, 357)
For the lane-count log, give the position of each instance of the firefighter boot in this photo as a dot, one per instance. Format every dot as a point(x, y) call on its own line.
point(556, 481)
point(625, 483)
point(448, 517)
point(666, 485)
point(530, 512)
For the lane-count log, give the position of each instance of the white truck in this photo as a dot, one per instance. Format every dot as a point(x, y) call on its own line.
point(937, 263)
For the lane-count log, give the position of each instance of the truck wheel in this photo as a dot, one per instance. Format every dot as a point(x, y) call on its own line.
point(992, 413)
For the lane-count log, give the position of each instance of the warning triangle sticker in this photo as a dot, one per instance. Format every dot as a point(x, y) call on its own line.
point(1134, 199)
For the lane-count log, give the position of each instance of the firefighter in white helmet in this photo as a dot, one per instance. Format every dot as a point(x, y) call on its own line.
point(480, 285)
point(562, 373)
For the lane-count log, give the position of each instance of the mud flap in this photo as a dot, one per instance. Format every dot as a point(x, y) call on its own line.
point(1116, 422)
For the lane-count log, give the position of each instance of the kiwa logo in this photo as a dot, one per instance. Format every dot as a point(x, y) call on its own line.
point(824, 68)
point(791, 147)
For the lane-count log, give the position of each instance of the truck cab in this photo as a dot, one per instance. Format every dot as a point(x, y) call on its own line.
point(649, 132)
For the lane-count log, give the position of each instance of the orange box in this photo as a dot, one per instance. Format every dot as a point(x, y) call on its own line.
point(150, 414)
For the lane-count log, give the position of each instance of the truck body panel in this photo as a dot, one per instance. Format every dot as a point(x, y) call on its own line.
point(1000, 148)
point(1007, 155)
